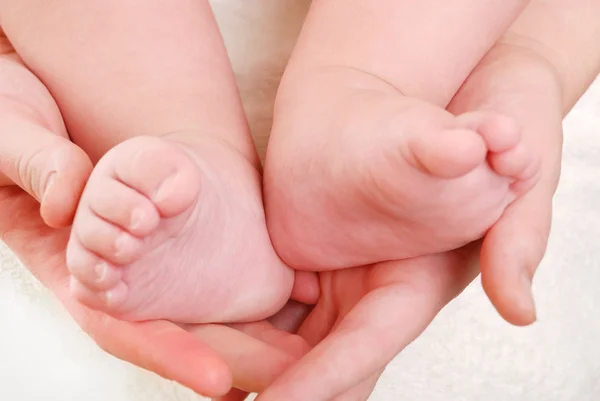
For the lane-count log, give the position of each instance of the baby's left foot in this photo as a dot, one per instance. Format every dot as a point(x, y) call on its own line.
point(174, 229)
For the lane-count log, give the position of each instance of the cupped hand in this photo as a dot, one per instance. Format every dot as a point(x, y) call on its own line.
point(38, 164)
point(364, 318)
point(367, 315)
point(206, 358)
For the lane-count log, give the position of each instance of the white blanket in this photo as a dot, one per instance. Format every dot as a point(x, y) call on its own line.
point(468, 353)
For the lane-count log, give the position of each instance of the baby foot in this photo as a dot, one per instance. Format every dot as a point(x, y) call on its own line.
point(370, 175)
point(174, 229)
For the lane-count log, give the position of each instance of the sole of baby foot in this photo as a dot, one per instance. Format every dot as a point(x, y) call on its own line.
point(173, 228)
point(377, 176)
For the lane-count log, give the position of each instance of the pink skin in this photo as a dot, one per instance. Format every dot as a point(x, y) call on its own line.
point(406, 178)
point(170, 226)
point(427, 284)
point(383, 307)
point(40, 129)
point(374, 169)
point(167, 349)
point(206, 358)
point(159, 218)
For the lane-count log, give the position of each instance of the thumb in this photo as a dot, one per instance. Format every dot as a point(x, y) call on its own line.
point(48, 167)
point(511, 253)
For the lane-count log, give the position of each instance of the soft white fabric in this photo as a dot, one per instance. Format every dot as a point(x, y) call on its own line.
point(468, 353)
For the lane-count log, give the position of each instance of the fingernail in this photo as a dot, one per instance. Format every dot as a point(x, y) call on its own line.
point(528, 303)
point(49, 181)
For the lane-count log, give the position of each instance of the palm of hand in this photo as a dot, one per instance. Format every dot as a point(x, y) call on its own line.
point(351, 322)
point(365, 317)
point(201, 357)
point(158, 346)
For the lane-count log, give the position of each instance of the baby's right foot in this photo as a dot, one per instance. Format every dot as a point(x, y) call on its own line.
point(357, 173)
point(174, 229)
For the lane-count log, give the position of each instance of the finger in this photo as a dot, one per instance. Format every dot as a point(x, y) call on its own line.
point(165, 349)
point(306, 288)
point(361, 392)
point(35, 152)
point(158, 346)
point(380, 325)
point(39, 247)
point(511, 253)
point(288, 319)
point(264, 331)
point(48, 167)
point(255, 364)
point(168, 350)
point(233, 395)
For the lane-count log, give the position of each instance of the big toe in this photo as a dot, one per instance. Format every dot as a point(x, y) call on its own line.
point(499, 132)
point(160, 170)
point(448, 153)
point(509, 155)
point(520, 164)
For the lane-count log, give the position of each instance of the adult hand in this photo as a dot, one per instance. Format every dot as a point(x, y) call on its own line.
point(369, 314)
point(201, 357)
point(39, 164)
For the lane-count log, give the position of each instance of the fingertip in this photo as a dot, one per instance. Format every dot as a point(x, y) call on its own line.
point(306, 288)
point(181, 357)
point(219, 380)
point(233, 395)
point(506, 277)
point(64, 186)
point(512, 299)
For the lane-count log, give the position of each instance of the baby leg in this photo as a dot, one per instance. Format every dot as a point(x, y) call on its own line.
point(363, 165)
point(171, 224)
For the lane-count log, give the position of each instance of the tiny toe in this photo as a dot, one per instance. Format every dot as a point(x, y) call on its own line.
point(122, 206)
point(499, 132)
point(89, 269)
point(448, 154)
point(518, 163)
point(528, 179)
point(100, 300)
point(116, 295)
point(105, 239)
point(160, 170)
point(511, 163)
